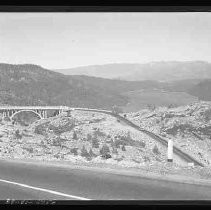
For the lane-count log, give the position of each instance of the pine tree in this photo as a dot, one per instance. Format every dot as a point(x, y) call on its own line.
point(114, 150)
point(84, 152)
point(95, 142)
point(74, 151)
point(123, 148)
point(105, 152)
point(75, 135)
point(156, 150)
point(91, 153)
point(17, 134)
point(89, 137)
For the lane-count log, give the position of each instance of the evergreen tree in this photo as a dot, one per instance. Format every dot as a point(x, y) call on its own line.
point(123, 148)
point(95, 142)
point(84, 152)
point(105, 152)
point(156, 150)
point(91, 153)
point(75, 135)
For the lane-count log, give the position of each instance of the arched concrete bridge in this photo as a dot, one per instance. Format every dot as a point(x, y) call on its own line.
point(40, 111)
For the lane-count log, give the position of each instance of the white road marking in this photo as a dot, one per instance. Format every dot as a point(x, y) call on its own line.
point(44, 190)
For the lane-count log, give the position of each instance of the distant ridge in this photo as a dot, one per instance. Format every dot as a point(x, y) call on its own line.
point(160, 71)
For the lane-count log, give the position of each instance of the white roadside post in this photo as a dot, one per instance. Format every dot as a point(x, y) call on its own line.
point(170, 151)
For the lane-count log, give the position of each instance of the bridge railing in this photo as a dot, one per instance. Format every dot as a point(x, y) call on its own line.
point(34, 107)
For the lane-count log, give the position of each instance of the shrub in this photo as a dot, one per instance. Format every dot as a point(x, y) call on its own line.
point(127, 138)
point(122, 141)
point(151, 107)
point(41, 129)
point(75, 135)
point(142, 144)
point(84, 152)
point(117, 143)
point(106, 156)
point(74, 151)
point(91, 153)
point(172, 106)
point(30, 150)
point(95, 142)
point(207, 115)
point(136, 161)
point(17, 134)
point(99, 133)
point(7, 119)
point(123, 148)
point(156, 150)
point(56, 142)
point(116, 109)
point(114, 150)
point(89, 137)
point(62, 128)
point(69, 113)
point(157, 159)
point(104, 151)
point(119, 159)
point(57, 156)
point(146, 159)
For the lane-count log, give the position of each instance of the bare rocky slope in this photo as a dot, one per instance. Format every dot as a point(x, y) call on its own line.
point(83, 136)
point(189, 127)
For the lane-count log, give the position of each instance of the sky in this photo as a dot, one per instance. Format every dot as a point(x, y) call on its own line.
point(65, 40)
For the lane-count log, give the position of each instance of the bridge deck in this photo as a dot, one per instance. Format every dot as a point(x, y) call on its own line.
point(33, 107)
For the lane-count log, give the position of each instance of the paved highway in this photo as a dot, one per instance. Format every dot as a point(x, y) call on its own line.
point(20, 180)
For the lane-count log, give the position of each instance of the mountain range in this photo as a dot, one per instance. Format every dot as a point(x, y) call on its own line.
point(160, 71)
point(29, 84)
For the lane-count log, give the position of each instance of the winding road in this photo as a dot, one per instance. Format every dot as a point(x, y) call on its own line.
point(186, 157)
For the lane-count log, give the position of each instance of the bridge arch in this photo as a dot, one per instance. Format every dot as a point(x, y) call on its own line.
point(39, 115)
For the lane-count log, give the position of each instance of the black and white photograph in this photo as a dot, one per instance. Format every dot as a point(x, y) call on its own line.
point(105, 106)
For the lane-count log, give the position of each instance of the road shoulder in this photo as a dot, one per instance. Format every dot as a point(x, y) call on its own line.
point(118, 171)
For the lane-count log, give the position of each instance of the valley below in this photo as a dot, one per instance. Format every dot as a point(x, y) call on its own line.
point(141, 99)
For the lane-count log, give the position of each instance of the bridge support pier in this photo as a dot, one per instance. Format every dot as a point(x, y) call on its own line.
point(4, 114)
point(44, 114)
